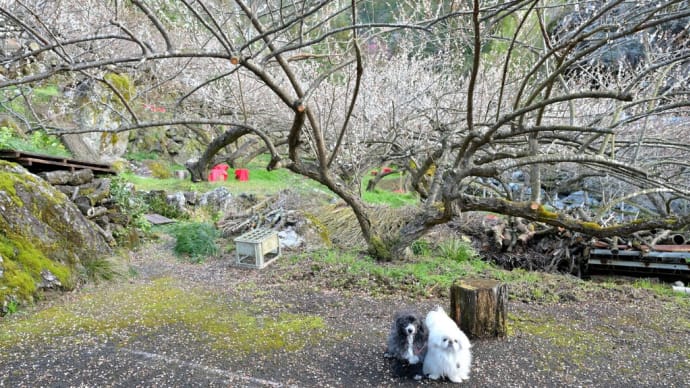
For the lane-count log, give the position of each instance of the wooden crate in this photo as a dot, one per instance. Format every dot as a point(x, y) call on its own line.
point(257, 248)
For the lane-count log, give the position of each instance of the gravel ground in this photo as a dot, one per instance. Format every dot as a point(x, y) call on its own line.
point(600, 337)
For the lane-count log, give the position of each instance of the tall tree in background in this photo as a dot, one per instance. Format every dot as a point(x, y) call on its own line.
point(464, 96)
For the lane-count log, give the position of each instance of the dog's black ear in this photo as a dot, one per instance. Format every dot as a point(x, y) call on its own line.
point(400, 317)
point(400, 321)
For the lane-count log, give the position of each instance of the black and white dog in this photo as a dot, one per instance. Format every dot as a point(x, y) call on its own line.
point(407, 344)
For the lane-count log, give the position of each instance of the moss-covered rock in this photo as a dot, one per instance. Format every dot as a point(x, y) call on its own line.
point(42, 236)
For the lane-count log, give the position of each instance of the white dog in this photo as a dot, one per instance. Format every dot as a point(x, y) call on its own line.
point(448, 354)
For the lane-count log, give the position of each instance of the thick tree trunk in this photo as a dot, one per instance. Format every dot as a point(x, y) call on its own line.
point(199, 169)
point(479, 306)
point(414, 229)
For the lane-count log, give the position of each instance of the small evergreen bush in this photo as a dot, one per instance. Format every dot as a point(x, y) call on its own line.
point(195, 240)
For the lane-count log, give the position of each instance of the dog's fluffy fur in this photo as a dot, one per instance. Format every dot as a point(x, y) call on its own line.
point(448, 353)
point(407, 343)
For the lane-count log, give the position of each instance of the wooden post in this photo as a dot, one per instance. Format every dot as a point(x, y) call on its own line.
point(478, 306)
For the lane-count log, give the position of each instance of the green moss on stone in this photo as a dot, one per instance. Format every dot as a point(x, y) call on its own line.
point(7, 184)
point(23, 264)
point(122, 83)
point(546, 213)
point(379, 250)
point(25, 259)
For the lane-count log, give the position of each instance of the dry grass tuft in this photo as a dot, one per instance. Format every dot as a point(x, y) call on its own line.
point(338, 226)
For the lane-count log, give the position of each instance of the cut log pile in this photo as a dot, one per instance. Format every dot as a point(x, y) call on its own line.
point(92, 197)
point(645, 241)
point(551, 249)
point(518, 243)
point(248, 214)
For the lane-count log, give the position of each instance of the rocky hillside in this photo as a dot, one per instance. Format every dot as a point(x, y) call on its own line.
point(45, 241)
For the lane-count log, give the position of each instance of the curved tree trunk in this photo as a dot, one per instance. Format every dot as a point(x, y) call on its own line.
point(245, 159)
point(420, 225)
point(371, 185)
point(199, 169)
point(353, 200)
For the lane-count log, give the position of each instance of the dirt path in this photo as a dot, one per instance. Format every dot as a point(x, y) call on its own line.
point(176, 325)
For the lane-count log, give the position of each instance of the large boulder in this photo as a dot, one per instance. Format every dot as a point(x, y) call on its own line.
point(45, 241)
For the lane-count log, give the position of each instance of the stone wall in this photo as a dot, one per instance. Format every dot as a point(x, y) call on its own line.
point(91, 194)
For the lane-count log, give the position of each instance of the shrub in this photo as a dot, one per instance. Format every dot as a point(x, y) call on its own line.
point(159, 169)
point(39, 142)
point(104, 268)
point(130, 204)
point(421, 248)
point(195, 240)
point(456, 250)
point(6, 135)
point(42, 140)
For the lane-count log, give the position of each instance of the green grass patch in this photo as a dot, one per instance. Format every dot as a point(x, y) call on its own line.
point(659, 288)
point(456, 250)
point(105, 268)
point(261, 182)
point(389, 198)
point(420, 276)
point(38, 142)
point(44, 93)
point(519, 275)
point(429, 273)
point(143, 183)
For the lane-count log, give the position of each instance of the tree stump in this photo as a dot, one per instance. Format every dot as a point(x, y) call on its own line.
point(478, 306)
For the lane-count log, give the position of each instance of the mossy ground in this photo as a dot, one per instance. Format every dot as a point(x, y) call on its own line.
point(573, 345)
point(135, 310)
point(575, 340)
